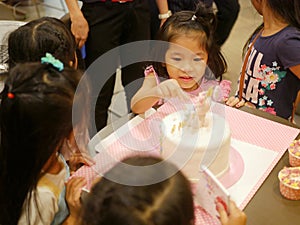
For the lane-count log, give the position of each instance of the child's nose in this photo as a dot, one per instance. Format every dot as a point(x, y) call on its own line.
point(186, 67)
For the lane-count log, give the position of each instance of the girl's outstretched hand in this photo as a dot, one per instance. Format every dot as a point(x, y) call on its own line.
point(235, 216)
point(171, 89)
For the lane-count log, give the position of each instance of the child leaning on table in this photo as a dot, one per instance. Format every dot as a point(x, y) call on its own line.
point(36, 120)
point(143, 191)
point(272, 70)
point(193, 61)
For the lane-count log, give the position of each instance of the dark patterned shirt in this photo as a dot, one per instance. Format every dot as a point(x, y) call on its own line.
point(269, 84)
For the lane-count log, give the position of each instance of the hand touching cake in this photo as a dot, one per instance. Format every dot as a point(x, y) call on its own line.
point(196, 136)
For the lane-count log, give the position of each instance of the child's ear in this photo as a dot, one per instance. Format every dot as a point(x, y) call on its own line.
point(71, 138)
point(163, 64)
point(74, 63)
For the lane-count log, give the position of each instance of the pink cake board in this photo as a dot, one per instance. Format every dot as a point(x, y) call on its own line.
point(235, 171)
point(256, 161)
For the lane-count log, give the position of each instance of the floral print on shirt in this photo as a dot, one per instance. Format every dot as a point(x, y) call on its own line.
point(270, 76)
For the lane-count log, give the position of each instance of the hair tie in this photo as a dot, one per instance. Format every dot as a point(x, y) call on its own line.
point(194, 17)
point(10, 95)
point(50, 59)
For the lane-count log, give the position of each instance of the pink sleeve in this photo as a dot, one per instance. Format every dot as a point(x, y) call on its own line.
point(149, 71)
point(221, 89)
point(225, 86)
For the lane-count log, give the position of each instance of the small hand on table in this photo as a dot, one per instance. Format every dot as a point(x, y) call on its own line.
point(236, 102)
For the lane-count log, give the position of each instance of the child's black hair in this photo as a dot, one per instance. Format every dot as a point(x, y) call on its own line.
point(200, 24)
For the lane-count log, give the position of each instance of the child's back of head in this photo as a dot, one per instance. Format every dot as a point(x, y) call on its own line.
point(133, 193)
point(31, 41)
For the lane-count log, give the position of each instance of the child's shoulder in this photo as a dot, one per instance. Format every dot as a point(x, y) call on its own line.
point(289, 32)
point(287, 39)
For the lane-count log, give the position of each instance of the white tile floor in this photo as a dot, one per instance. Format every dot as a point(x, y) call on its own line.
point(55, 8)
point(247, 21)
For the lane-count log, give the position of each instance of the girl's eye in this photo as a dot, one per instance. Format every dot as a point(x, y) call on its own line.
point(176, 58)
point(197, 59)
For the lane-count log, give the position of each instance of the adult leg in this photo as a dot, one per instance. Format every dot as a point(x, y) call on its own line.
point(105, 23)
point(154, 21)
point(137, 28)
point(179, 5)
point(103, 102)
point(227, 14)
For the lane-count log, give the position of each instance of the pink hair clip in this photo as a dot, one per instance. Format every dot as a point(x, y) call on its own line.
point(149, 70)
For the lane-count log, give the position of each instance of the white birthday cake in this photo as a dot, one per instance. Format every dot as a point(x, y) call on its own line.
point(190, 138)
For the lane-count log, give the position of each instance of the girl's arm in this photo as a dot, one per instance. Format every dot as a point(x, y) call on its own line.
point(163, 9)
point(147, 96)
point(150, 93)
point(296, 70)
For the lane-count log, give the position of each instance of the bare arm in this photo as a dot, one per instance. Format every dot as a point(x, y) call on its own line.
point(146, 96)
point(296, 70)
point(163, 8)
point(79, 25)
point(151, 92)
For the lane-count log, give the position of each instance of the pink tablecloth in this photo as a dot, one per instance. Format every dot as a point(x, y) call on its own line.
point(144, 139)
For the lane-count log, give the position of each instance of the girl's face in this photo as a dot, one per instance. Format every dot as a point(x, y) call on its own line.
point(257, 4)
point(186, 62)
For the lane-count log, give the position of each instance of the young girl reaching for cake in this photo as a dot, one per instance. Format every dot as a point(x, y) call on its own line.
point(271, 72)
point(36, 121)
point(192, 61)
